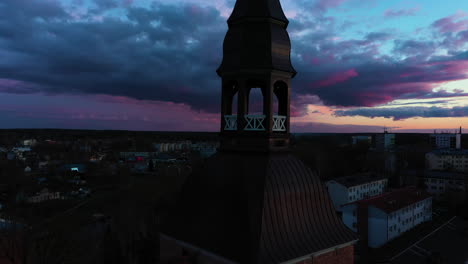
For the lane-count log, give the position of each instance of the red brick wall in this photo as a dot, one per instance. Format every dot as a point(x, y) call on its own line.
point(340, 256)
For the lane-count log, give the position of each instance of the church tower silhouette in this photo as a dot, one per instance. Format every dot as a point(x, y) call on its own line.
point(253, 201)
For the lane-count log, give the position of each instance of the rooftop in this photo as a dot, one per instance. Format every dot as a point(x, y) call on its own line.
point(441, 152)
point(445, 175)
point(359, 179)
point(397, 199)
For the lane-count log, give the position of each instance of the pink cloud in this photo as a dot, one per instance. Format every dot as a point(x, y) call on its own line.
point(453, 23)
point(337, 78)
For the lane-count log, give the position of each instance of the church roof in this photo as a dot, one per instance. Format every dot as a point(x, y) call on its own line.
point(257, 208)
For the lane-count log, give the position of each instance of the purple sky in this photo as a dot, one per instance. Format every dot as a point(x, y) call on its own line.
point(150, 65)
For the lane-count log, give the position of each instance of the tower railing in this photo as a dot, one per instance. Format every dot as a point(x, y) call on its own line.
point(279, 123)
point(230, 122)
point(255, 122)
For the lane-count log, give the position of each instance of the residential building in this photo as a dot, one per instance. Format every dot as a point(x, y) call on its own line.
point(352, 188)
point(29, 142)
point(385, 141)
point(447, 159)
point(446, 140)
point(440, 183)
point(44, 195)
point(361, 139)
point(387, 216)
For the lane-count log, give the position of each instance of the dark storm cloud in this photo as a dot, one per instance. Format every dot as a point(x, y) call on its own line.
point(399, 113)
point(166, 53)
point(170, 53)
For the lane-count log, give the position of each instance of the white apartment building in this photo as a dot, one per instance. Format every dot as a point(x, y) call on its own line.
point(446, 140)
point(388, 216)
point(44, 195)
point(355, 187)
point(438, 183)
point(361, 139)
point(447, 159)
point(384, 141)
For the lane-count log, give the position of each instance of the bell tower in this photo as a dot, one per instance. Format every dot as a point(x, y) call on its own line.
point(256, 55)
point(254, 202)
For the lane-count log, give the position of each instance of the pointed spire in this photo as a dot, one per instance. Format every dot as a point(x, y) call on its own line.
point(257, 9)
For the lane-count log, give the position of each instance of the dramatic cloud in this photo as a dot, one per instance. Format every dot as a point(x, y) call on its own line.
point(399, 113)
point(166, 52)
point(154, 54)
point(454, 23)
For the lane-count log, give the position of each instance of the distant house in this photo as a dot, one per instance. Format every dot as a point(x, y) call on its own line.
point(206, 149)
point(361, 139)
point(29, 142)
point(21, 149)
point(352, 188)
point(80, 168)
point(385, 217)
point(44, 195)
point(164, 158)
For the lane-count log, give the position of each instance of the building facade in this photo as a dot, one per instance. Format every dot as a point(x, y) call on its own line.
point(385, 141)
point(443, 183)
point(447, 159)
point(349, 189)
point(388, 216)
point(446, 140)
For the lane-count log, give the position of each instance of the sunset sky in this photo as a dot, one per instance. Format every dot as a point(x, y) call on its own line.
point(150, 64)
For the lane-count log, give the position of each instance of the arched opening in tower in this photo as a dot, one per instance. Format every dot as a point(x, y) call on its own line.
point(255, 101)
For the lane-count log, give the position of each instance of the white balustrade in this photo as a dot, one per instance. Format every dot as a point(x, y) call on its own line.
point(279, 123)
point(230, 122)
point(255, 122)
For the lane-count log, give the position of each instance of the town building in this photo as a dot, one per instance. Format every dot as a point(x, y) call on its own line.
point(387, 216)
point(385, 141)
point(352, 188)
point(447, 159)
point(253, 201)
point(355, 140)
point(443, 183)
point(446, 140)
point(44, 195)
point(173, 146)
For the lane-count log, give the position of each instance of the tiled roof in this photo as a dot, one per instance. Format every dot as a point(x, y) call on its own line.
point(257, 208)
point(446, 175)
point(397, 199)
point(358, 179)
point(442, 152)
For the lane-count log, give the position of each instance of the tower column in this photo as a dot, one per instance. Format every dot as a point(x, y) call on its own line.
point(242, 105)
point(268, 105)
